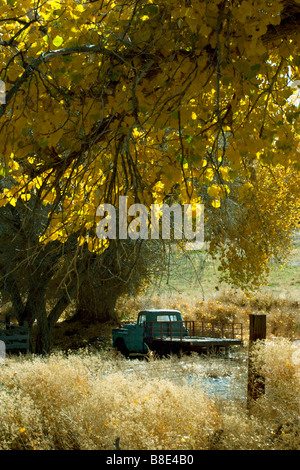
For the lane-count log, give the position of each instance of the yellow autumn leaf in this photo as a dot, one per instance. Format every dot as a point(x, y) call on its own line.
point(213, 191)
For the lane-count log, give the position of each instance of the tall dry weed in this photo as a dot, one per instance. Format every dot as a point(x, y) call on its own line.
point(84, 402)
point(87, 401)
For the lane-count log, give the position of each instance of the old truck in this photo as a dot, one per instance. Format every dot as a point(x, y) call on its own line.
point(165, 332)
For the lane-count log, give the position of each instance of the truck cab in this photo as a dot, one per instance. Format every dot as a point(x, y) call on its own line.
point(154, 323)
point(161, 323)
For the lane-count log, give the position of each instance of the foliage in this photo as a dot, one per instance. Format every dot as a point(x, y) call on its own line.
point(128, 97)
point(38, 280)
point(255, 224)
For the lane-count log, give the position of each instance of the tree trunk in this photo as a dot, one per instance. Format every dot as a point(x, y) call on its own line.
point(96, 305)
point(35, 309)
point(43, 337)
point(11, 287)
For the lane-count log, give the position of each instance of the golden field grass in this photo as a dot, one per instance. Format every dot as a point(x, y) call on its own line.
point(283, 315)
point(87, 400)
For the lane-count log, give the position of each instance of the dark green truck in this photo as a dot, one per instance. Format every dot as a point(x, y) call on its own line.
point(164, 332)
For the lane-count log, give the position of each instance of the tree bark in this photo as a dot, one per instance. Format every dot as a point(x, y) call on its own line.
point(96, 304)
point(12, 289)
point(35, 310)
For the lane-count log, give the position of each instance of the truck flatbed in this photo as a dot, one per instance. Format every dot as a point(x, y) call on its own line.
point(192, 344)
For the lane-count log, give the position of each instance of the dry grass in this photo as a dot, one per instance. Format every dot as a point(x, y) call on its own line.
point(283, 316)
point(86, 401)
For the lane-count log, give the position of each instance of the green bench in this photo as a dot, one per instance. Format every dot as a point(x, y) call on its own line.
point(15, 337)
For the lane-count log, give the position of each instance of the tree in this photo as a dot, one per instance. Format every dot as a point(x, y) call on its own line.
point(128, 97)
point(42, 280)
point(258, 218)
point(126, 267)
point(33, 274)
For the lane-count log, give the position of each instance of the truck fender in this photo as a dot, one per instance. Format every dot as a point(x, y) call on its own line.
point(121, 347)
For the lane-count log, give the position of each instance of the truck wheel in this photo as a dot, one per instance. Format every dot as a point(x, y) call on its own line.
point(121, 346)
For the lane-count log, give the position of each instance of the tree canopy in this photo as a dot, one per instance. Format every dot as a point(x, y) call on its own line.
point(150, 99)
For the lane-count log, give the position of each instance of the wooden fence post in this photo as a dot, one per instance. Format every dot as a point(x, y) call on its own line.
point(256, 382)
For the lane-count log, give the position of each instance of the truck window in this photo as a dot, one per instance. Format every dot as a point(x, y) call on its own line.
point(166, 318)
point(173, 318)
point(142, 319)
point(162, 318)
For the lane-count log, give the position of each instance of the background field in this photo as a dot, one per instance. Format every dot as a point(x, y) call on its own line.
point(193, 287)
point(195, 274)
